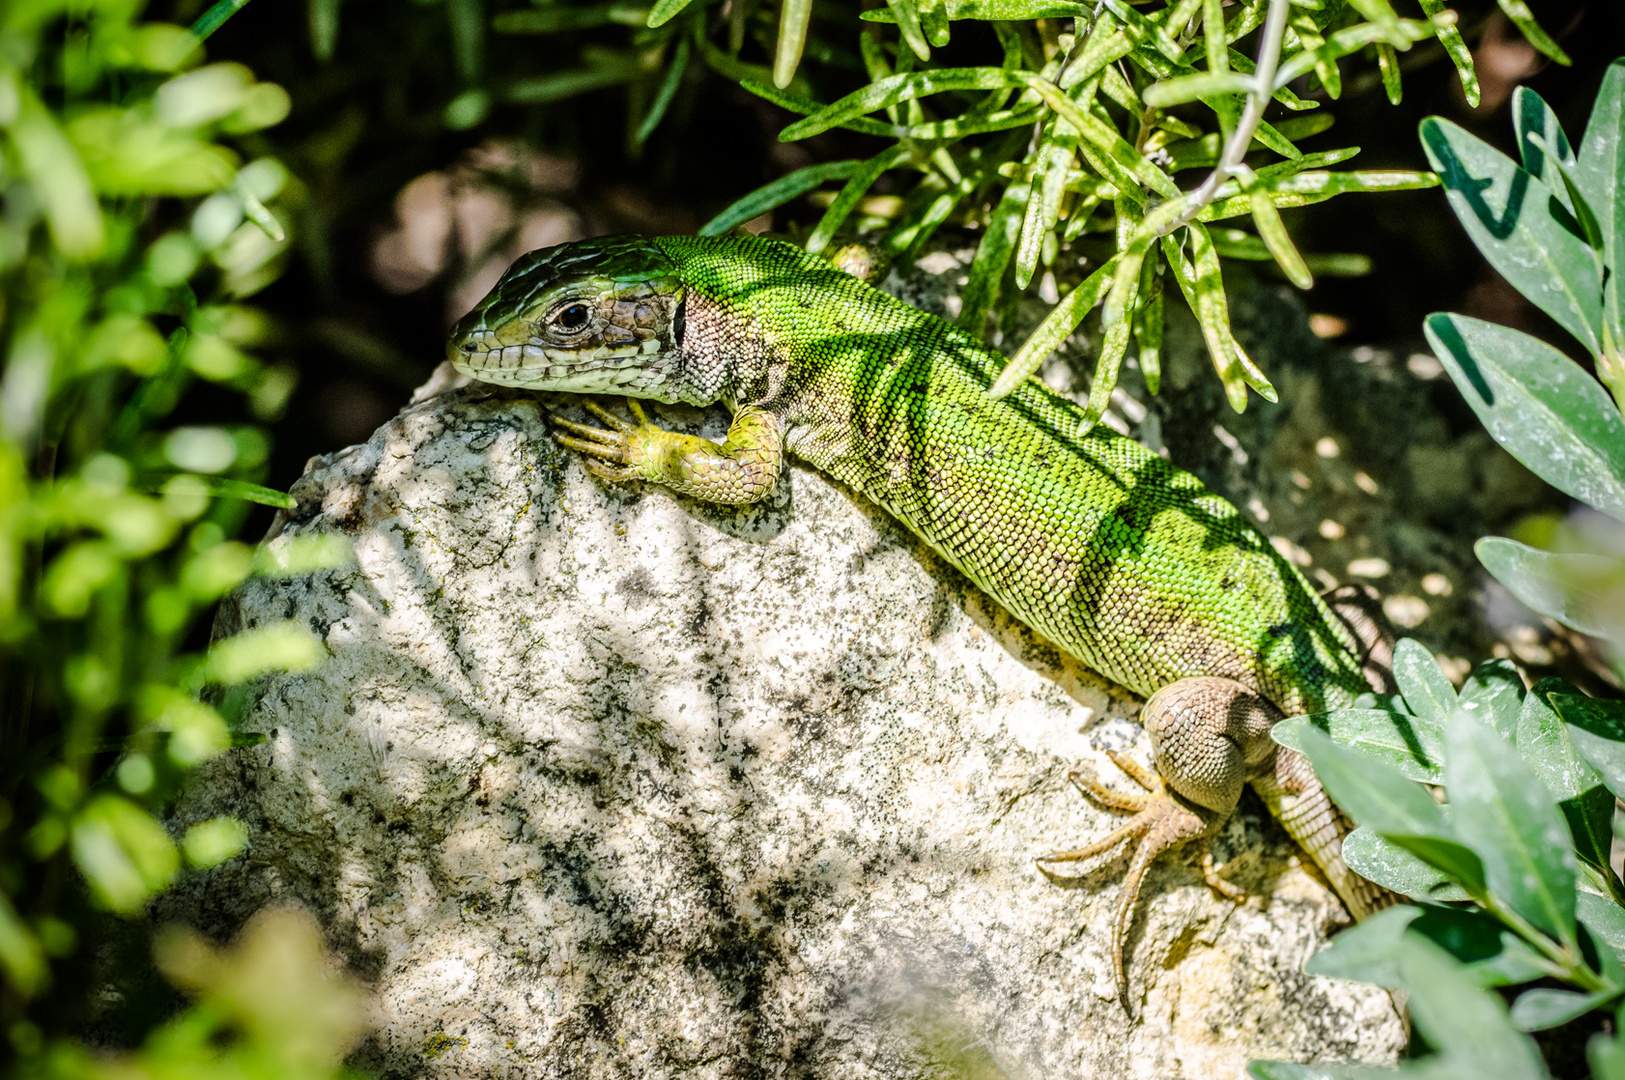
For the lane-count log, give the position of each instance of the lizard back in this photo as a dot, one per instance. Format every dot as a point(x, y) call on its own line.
point(1125, 561)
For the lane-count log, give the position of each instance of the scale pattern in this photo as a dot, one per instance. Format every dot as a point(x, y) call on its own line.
point(1125, 561)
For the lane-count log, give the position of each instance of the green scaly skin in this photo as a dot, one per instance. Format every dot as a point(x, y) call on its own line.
point(1125, 561)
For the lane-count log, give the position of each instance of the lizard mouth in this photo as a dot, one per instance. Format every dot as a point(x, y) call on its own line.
point(539, 367)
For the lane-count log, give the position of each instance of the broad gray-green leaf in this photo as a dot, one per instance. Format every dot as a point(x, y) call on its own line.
point(1604, 918)
point(1494, 694)
point(1467, 1024)
point(1427, 691)
point(1542, 1008)
point(1600, 173)
point(1378, 859)
point(1367, 951)
point(1412, 744)
point(1531, 116)
point(1544, 741)
point(1491, 954)
point(1507, 213)
point(1372, 793)
point(1560, 586)
point(1606, 1056)
point(1598, 729)
point(1508, 818)
point(1546, 746)
point(1539, 405)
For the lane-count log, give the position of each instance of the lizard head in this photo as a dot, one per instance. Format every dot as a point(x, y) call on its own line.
point(600, 316)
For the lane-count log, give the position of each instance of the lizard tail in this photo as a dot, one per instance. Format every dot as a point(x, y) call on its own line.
point(1297, 800)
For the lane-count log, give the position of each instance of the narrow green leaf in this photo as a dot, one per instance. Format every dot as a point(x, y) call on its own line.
point(1493, 692)
point(934, 21)
point(1273, 232)
point(1541, 1008)
point(668, 91)
point(793, 20)
point(1183, 88)
point(1468, 1024)
point(990, 11)
point(1508, 818)
point(1202, 284)
point(1456, 48)
point(1114, 342)
point(1148, 326)
point(1346, 41)
point(1214, 40)
point(1414, 745)
point(1383, 861)
point(992, 259)
point(467, 22)
point(1306, 188)
point(1519, 13)
point(898, 88)
point(1539, 405)
point(1056, 150)
point(1107, 152)
point(662, 13)
point(778, 193)
point(215, 17)
point(555, 20)
point(908, 22)
point(1505, 211)
point(1427, 692)
point(1057, 326)
point(854, 191)
point(567, 84)
point(323, 16)
point(1388, 63)
point(795, 103)
point(1561, 587)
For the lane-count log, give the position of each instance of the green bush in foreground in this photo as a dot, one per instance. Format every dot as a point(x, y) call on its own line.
point(1512, 871)
point(134, 224)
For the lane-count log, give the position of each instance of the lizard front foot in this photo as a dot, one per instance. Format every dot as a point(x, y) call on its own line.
point(742, 469)
point(1161, 822)
point(609, 451)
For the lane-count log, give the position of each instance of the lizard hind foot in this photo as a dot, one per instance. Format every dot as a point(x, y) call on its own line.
point(1160, 822)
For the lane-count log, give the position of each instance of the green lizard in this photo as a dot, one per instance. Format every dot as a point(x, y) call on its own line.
point(1123, 560)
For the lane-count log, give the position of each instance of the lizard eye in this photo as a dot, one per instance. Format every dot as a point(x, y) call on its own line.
point(571, 317)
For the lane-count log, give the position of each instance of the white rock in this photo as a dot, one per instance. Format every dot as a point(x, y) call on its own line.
point(602, 782)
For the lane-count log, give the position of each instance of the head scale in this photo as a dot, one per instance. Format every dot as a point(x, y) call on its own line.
point(593, 316)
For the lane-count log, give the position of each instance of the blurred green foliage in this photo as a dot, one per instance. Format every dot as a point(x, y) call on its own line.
point(136, 220)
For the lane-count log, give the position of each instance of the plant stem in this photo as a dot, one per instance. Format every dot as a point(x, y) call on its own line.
point(1235, 149)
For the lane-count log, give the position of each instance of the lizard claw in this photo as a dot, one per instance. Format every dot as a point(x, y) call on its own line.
point(1160, 822)
point(607, 450)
